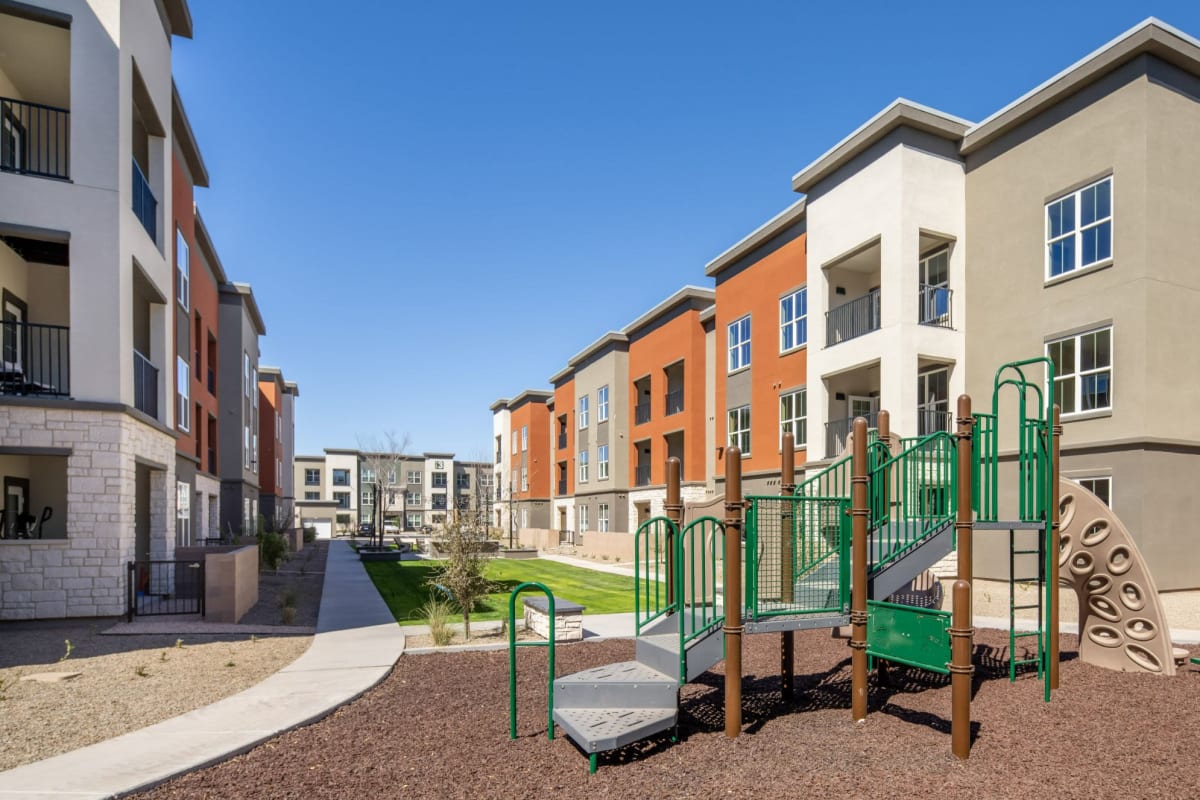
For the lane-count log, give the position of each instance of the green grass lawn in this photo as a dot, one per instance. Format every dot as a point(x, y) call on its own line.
point(405, 587)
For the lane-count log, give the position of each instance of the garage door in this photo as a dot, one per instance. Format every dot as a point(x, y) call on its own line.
point(324, 527)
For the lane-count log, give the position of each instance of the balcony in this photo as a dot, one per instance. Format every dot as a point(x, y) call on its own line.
point(932, 420)
point(641, 413)
point(935, 306)
point(562, 440)
point(212, 382)
point(35, 139)
point(145, 206)
point(212, 461)
point(851, 320)
point(145, 385)
point(642, 475)
point(499, 456)
point(562, 487)
point(837, 431)
point(36, 359)
point(674, 402)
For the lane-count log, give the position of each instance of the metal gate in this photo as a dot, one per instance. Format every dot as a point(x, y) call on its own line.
point(165, 587)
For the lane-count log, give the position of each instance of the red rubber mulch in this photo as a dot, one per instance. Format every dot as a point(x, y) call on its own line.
point(438, 728)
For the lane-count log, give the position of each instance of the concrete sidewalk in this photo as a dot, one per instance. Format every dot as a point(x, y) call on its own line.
point(356, 646)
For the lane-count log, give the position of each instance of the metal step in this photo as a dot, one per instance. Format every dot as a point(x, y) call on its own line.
point(599, 729)
point(889, 579)
point(1008, 525)
point(628, 683)
point(796, 623)
point(659, 652)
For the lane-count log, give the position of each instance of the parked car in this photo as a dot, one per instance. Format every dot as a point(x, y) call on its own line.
point(426, 529)
point(391, 527)
point(366, 529)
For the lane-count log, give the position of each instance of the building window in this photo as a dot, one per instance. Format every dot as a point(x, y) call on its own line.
point(1101, 487)
point(793, 320)
point(413, 498)
point(739, 429)
point(312, 495)
point(739, 343)
point(246, 373)
point(438, 480)
point(412, 520)
point(583, 518)
point(366, 498)
point(1079, 229)
point(462, 481)
point(182, 270)
point(368, 476)
point(793, 417)
point(312, 477)
point(524, 479)
point(602, 518)
point(602, 462)
point(583, 412)
point(935, 289)
point(342, 499)
point(933, 401)
point(524, 517)
point(414, 476)
point(602, 404)
point(183, 394)
point(437, 502)
point(246, 446)
point(513, 439)
point(1083, 371)
point(583, 466)
point(341, 477)
point(183, 514)
point(524, 438)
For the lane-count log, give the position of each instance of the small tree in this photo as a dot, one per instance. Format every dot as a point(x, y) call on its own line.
point(282, 518)
point(382, 459)
point(466, 561)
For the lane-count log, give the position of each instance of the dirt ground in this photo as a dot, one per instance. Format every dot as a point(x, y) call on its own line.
point(438, 728)
point(301, 578)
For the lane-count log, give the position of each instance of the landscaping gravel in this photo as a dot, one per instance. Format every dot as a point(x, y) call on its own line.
point(438, 728)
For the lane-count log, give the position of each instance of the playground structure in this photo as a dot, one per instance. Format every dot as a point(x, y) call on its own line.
point(844, 546)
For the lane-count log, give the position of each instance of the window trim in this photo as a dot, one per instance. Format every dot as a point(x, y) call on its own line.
point(183, 394)
point(1078, 374)
point(583, 467)
point(602, 462)
point(602, 517)
point(1094, 478)
point(730, 347)
point(602, 404)
point(1077, 232)
point(584, 405)
point(803, 290)
point(183, 270)
point(524, 438)
point(729, 431)
point(797, 444)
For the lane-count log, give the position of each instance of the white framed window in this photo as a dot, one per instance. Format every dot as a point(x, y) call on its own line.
point(583, 518)
point(437, 480)
point(414, 476)
point(368, 476)
point(312, 495)
point(183, 271)
point(793, 417)
point(739, 343)
point(602, 518)
point(524, 517)
point(254, 389)
point(1101, 486)
point(602, 462)
point(183, 514)
point(793, 320)
point(246, 446)
point(254, 450)
point(933, 401)
point(413, 498)
point(583, 412)
point(1079, 229)
point(514, 440)
point(1083, 371)
point(583, 466)
point(312, 477)
point(602, 404)
point(183, 394)
point(366, 498)
point(524, 438)
point(739, 429)
point(246, 372)
point(524, 479)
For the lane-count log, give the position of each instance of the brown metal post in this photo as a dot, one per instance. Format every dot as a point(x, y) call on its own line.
point(674, 509)
point(961, 642)
point(858, 572)
point(963, 522)
point(733, 592)
point(1055, 547)
point(787, 555)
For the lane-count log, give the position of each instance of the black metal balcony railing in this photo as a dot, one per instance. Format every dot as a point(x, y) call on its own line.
point(498, 456)
point(145, 206)
point(935, 306)
point(35, 139)
point(212, 382)
point(931, 420)
point(849, 320)
point(562, 486)
point(212, 461)
point(562, 440)
point(145, 385)
point(36, 359)
point(642, 475)
point(641, 413)
point(838, 430)
point(674, 402)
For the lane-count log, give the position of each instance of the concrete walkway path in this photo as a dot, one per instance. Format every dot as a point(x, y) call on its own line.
point(356, 646)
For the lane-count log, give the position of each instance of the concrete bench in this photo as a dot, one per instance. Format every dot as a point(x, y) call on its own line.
point(568, 618)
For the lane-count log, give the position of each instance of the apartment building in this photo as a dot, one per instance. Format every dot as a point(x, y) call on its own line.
point(276, 445)
point(666, 415)
point(87, 429)
point(760, 378)
point(563, 424)
point(342, 484)
point(523, 487)
point(315, 506)
point(241, 325)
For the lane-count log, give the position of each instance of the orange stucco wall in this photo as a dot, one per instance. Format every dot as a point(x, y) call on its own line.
point(268, 444)
point(536, 415)
point(756, 290)
point(651, 350)
point(564, 405)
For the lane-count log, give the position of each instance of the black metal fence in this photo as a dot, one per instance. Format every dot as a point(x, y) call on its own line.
point(849, 320)
point(165, 587)
point(641, 413)
point(36, 359)
point(674, 402)
point(35, 139)
point(642, 475)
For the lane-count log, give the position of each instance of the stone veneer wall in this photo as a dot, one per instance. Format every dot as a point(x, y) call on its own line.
point(84, 575)
point(688, 493)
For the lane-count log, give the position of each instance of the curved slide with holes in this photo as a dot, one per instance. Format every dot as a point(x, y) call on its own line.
point(1121, 622)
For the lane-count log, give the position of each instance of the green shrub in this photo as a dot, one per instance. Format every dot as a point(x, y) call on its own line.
point(272, 549)
point(310, 535)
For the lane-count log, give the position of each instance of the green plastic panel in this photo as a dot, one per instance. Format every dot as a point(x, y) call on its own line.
point(918, 637)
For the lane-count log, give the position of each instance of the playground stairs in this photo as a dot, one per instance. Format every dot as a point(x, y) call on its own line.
point(611, 706)
point(929, 547)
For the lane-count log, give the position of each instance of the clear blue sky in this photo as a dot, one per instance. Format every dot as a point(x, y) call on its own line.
point(438, 203)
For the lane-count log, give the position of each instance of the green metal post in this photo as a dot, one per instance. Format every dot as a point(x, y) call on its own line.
point(513, 644)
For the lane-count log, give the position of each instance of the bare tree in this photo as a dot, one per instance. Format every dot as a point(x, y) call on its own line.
point(282, 517)
point(466, 560)
point(382, 459)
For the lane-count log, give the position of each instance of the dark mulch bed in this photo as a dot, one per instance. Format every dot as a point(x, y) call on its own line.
point(438, 728)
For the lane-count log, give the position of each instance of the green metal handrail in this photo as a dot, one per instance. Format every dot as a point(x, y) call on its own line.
point(833, 481)
point(513, 644)
point(912, 495)
point(699, 592)
point(653, 541)
point(812, 519)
